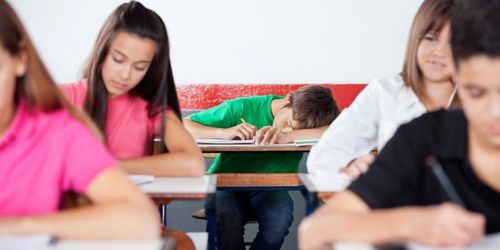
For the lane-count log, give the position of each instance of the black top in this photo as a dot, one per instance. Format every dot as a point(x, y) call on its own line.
point(400, 177)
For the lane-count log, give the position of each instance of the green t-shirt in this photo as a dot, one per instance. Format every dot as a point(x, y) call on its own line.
point(255, 110)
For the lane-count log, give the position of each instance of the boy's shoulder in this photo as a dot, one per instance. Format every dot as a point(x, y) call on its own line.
point(257, 98)
point(252, 101)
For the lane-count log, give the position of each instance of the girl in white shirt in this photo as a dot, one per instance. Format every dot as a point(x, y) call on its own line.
point(425, 84)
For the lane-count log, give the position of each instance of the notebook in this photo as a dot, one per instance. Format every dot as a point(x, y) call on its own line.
point(306, 142)
point(139, 179)
point(26, 242)
point(221, 141)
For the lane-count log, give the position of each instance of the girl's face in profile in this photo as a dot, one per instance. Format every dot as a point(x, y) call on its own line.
point(127, 62)
point(434, 57)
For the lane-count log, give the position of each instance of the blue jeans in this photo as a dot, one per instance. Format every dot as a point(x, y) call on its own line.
point(273, 210)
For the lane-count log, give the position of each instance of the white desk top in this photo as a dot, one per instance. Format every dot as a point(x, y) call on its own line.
point(325, 183)
point(180, 185)
point(220, 148)
point(111, 245)
point(43, 242)
point(200, 240)
point(489, 242)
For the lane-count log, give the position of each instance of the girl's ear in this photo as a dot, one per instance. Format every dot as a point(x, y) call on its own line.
point(21, 63)
point(21, 60)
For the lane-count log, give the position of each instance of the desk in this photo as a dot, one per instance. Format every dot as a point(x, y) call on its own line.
point(158, 244)
point(243, 181)
point(44, 242)
point(163, 189)
point(199, 239)
point(220, 148)
point(489, 242)
point(322, 187)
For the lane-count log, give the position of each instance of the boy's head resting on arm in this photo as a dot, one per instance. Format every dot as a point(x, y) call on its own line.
point(476, 50)
point(308, 107)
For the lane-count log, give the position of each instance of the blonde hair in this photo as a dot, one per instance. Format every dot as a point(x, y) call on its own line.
point(431, 16)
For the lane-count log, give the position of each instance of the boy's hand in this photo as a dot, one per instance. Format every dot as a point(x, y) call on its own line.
point(446, 225)
point(243, 131)
point(359, 165)
point(271, 135)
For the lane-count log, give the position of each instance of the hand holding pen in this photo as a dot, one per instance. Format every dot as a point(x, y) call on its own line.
point(446, 224)
point(242, 131)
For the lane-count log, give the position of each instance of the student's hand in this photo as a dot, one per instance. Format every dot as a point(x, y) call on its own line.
point(243, 131)
point(446, 225)
point(359, 165)
point(271, 135)
point(308, 237)
point(9, 226)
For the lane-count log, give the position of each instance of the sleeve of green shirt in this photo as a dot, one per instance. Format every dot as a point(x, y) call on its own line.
point(224, 115)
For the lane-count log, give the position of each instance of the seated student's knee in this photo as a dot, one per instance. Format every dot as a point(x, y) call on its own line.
point(276, 215)
point(229, 211)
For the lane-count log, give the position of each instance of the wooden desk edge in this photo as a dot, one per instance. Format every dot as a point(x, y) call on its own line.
point(258, 180)
point(308, 183)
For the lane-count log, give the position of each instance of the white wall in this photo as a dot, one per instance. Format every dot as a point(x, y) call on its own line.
point(241, 41)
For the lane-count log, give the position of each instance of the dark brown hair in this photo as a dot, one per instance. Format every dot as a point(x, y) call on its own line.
point(475, 29)
point(313, 106)
point(157, 87)
point(431, 17)
point(37, 87)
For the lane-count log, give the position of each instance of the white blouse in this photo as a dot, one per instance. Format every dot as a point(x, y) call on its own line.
point(367, 124)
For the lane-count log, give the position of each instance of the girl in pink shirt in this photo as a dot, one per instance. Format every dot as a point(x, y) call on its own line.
point(48, 148)
point(130, 93)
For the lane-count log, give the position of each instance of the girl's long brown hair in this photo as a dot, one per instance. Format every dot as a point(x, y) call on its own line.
point(157, 87)
point(37, 87)
point(431, 16)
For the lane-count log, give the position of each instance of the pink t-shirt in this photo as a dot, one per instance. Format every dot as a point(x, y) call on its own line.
point(43, 155)
point(129, 129)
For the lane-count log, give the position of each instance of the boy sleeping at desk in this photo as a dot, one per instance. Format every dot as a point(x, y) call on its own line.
point(270, 119)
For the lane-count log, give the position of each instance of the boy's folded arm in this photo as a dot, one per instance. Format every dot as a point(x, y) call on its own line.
point(200, 131)
point(301, 134)
point(243, 131)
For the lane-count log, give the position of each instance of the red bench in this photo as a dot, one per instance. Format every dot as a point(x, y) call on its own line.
point(203, 96)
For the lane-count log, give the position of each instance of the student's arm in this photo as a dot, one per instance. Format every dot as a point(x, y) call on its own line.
point(274, 135)
point(346, 217)
point(119, 211)
point(183, 159)
point(223, 121)
point(360, 165)
point(352, 134)
point(199, 131)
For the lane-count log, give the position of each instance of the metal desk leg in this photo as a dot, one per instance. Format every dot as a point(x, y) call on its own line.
point(163, 214)
point(312, 201)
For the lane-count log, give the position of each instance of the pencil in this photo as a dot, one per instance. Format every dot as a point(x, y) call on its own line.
point(444, 180)
point(242, 120)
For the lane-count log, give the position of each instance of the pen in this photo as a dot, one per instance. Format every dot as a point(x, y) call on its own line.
point(444, 180)
point(242, 120)
point(452, 97)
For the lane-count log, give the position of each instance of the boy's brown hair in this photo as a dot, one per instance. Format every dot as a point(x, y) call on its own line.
point(313, 106)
